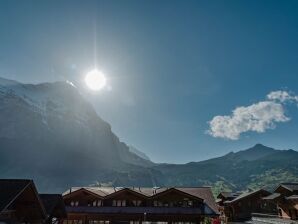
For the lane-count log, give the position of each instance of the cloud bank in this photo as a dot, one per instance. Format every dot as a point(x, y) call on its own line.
point(257, 117)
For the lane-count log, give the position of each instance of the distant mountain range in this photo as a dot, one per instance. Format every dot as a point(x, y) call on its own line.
point(259, 166)
point(50, 133)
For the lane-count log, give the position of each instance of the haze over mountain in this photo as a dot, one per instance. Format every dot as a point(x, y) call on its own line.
point(50, 133)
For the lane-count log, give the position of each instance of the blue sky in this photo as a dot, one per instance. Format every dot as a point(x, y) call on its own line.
point(171, 66)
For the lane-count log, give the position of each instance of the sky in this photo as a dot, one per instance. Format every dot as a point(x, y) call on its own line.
point(186, 80)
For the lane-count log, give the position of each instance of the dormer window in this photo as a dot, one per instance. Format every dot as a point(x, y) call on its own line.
point(97, 203)
point(119, 203)
point(136, 203)
point(74, 203)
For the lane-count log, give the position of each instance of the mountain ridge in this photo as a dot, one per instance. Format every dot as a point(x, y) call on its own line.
point(50, 133)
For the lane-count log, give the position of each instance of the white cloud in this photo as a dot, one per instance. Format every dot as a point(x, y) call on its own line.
point(282, 96)
point(257, 117)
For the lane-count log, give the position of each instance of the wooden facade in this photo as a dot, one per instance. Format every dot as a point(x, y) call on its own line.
point(285, 198)
point(99, 205)
point(241, 207)
point(21, 203)
point(54, 206)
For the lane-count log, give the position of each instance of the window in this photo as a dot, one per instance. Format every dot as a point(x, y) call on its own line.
point(119, 203)
point(97, 203)
point(74, 203)
point(134, 222)
point(137, 203)
point(98, 222)
point(280, 212)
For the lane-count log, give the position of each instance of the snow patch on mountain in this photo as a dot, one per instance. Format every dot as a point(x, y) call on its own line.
point(41, 98)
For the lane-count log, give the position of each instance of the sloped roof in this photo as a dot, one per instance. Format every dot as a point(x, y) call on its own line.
point(203, 193)
point(225, 194)
point(54, 205)
point(229, 194)
point(272, 196)
point(247, 194)
point(292, 197)
point(10, 189)
point(289, 186)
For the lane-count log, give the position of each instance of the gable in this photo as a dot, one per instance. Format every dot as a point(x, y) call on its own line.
point(282, 190)
point(27, 204)
point(175, 194)
point(126, 193)
point(9, 191)
point(81, 193)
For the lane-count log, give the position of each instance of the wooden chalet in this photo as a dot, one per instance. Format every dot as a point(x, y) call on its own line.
point(221, 199)
point(285, 197)
point(20, 203)
point(54, 206)
point(103, 205)
point(241, 206)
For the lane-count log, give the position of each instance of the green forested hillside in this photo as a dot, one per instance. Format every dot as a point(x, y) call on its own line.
point(259, 166)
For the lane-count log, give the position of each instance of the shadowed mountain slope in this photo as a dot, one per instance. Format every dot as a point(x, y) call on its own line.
point(50, 133)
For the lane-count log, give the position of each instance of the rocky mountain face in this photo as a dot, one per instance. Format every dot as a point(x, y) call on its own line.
point(138, 153)
point(50, 133)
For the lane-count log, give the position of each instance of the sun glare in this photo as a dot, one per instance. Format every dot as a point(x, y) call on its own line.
point(95, 80)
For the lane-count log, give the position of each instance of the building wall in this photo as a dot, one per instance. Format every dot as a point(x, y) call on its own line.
point(242, 209)
point(129, 199)
point(288, 210)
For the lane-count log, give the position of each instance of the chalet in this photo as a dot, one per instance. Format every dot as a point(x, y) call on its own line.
point(103, 205)
point(54, 207)
point(20, 203)
point(285, 197)
point(241, 206)
point(226, 196)
point(221, 199)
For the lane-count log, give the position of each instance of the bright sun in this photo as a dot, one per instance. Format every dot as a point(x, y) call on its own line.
point(95, 80)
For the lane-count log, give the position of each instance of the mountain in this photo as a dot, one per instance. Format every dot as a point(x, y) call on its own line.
point(257, 152)
point(138, 153)
point(259, 166)
point(50, 133)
